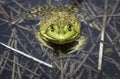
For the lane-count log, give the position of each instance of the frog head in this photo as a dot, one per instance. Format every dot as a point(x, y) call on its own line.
point(59, 27)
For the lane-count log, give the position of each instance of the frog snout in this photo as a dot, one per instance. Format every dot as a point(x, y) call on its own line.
point(61, 32)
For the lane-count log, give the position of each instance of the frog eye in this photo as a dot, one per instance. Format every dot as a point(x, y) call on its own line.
point(52, 27)
point(69, 27)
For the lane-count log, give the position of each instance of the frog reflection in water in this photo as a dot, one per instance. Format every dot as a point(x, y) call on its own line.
point(59, 25)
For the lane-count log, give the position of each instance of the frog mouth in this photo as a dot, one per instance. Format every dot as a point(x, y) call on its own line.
point(60, 39)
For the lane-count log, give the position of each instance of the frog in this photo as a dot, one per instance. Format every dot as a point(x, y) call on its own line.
point(58, 25)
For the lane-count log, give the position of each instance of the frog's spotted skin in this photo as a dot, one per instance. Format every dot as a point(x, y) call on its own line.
point(58, 25)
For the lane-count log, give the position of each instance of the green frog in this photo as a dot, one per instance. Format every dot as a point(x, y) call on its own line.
point(58, 25)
